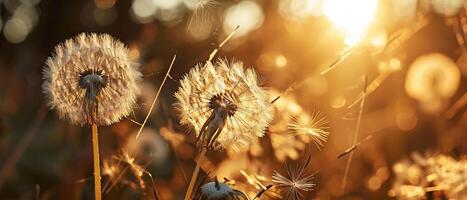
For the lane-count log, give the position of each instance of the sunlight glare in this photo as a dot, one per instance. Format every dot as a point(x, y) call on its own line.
point(352, 17)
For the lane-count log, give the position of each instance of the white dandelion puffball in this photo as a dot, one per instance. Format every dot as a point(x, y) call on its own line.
point(224, 105)
point(90, 79)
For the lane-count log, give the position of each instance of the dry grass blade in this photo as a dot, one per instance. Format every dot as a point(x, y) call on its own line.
point(260, 193)
point(372, 87)
point(347, 52)
point(355, 138)
point(214, 52)
point(353, 147)
point(156, 97)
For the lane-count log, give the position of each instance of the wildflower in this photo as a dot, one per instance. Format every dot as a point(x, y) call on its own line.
point(224, 105)
point(295, 181)
point(219, 191)
point(90, 79)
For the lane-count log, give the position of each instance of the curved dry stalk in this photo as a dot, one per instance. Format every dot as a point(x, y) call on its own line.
point(156, 97)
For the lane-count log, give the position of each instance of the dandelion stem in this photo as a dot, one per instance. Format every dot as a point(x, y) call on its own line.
point(195, 173)
point(97, 168)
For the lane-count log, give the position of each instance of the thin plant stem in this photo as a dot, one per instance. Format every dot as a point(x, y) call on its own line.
point(156, 97)
point(97, 168)
point(347, 52)
point(355, 138)
point(194, 176)
point(214, 52)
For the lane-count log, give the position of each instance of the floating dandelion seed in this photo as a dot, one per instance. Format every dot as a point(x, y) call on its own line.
point(224, 104)
point(305, 127)
point(90, 79)
point(219, 191)
point(295, 181)
point(314, 125)
point(203, 19)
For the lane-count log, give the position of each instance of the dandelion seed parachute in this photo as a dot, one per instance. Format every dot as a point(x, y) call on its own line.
point(294, 182)
point(314, 125)
point(292, 128)
point(90, 77)
point(224, 105)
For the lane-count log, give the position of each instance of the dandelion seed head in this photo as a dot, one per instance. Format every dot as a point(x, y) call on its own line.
point(91, 71)
point(224, 105)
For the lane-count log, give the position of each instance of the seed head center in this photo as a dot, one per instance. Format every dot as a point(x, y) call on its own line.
point(223, 102)
point(92, 81)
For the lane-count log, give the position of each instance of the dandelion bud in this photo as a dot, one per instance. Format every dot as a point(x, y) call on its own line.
point(90, 79)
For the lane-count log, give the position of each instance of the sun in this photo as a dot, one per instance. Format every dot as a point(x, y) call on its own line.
point(352, 17)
